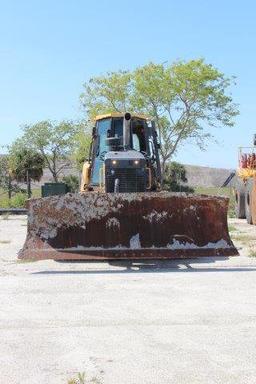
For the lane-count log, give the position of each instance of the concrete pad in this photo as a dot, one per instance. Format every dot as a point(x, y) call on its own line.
point(190, 321)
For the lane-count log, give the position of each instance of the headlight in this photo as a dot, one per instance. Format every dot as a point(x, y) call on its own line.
point(136, 162)
point(114, 162)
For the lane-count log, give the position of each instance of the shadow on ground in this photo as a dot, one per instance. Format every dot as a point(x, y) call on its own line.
point(144, 266)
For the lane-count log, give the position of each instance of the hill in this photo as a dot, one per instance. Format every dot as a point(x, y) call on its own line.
point(199, 176)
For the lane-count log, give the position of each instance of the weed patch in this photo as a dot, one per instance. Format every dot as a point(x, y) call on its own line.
point(243, 238)
point(24, 261)
point(252, 252)
point(81, 379)
point(232, 228)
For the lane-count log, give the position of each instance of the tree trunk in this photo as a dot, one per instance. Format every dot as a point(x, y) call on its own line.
point(55, 178)
point(54, 172)
point(28, 185)
point(163, 169)
point(9, 187)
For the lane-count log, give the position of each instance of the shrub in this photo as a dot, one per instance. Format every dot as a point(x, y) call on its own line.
point(72, 182)
point(18, 201)
point(175, 178)
point(4, 202)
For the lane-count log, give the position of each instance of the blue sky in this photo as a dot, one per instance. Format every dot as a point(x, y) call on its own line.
point(48, 49)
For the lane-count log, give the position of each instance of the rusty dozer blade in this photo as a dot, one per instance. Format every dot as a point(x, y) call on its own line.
point(99, 226)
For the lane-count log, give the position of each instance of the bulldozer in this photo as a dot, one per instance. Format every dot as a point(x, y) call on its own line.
point(121, 211)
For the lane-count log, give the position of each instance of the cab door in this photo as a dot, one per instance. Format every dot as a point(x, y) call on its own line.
point(100, 149)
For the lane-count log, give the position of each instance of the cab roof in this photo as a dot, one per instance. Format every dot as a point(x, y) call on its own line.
point(119, 114)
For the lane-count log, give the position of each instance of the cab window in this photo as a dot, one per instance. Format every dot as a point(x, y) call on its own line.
point(117, 127)
point(138, 136)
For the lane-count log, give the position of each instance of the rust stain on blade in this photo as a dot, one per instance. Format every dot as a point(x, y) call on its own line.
point(141, 225)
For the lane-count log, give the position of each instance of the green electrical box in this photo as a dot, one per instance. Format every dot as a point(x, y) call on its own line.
point(51, 189)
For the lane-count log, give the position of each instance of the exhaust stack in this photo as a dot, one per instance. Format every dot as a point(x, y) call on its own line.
point(126, 130)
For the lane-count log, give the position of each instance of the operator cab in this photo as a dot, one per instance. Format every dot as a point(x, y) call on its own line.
point(125, 154)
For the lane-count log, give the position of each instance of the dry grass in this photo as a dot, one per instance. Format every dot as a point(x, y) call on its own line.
point(5, 241)
point(24, 261)
point(5, 216)
point(252, 251)
point(243, 238)
point(81, 379)
point(232, 228)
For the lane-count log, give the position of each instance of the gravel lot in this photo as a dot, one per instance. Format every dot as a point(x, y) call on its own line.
point(191, 321)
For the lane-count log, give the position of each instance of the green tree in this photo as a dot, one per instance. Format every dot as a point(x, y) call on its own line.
point(4, 172)
point(6, 180)
point(82, 143)
point(109, 93)
point(54, 141)
point(25, 164)
point(186, 100)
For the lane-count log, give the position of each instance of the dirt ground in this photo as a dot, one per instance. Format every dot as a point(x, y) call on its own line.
point(191, 321)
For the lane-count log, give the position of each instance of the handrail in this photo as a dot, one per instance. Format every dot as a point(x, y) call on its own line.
point(149, 178)
point(101, 177)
